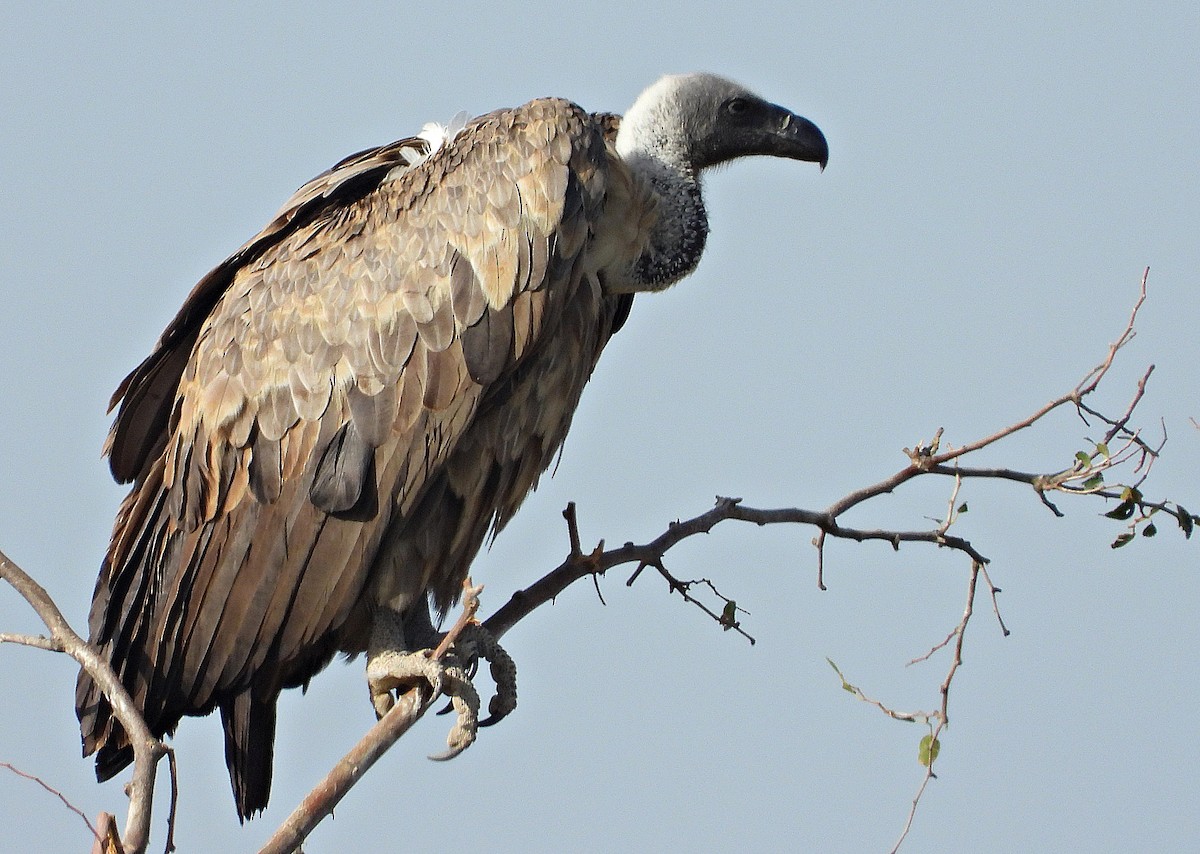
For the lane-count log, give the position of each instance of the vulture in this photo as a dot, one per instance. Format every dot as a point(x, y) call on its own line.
point(345, 408)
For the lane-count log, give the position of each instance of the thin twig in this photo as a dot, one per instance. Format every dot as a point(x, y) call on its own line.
point(470, 607)
point(683, 588)
point(912, 812)
point(942, 644)
point(941, 719)
point(1085, 387)
point(908, 717)
point(993, 590)
point(14, 769)
point(174, 804)
point(572, 528)
point(819, 543)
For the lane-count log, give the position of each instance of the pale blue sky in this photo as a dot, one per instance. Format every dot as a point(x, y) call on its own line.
point(999, 177)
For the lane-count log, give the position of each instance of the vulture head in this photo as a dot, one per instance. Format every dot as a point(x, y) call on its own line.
point(682, 125)
point(701, 120)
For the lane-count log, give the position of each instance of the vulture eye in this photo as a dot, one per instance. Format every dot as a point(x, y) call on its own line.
point(737, 106)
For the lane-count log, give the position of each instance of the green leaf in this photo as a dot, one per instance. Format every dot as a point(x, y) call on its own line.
point(1131, 495)
point(927, 753)
point(1084, 459)
point(729, 615)
point(1122, 511)
point(846, 686)
point(1122, 540)
point(1094, 481)
point(1102, 448)
point(1150, 530)
point(1186, 522)
point(962, 508)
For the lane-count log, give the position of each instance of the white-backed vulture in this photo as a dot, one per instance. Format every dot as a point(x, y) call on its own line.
point(341, 411)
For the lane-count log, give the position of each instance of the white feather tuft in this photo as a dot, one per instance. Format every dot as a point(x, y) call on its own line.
point(438, 135)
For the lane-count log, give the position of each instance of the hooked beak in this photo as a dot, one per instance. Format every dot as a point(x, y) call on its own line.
point(796, 138)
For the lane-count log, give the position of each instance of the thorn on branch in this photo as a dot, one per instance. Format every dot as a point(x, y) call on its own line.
point(572, 528)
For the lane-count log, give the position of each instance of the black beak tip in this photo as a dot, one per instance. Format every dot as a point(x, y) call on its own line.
point(822, 158)
point(808, 139)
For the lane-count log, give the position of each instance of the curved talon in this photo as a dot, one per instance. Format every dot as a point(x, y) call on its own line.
point(392, 671)
point(447, 755)
point(499, 709)
point(465, 700)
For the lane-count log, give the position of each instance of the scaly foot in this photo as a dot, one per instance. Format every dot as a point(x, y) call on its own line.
point(391, 671)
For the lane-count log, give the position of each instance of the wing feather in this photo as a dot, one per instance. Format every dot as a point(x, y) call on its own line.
point(266, 473)
point(342, 472)
point(488, 344)
point(467, 299)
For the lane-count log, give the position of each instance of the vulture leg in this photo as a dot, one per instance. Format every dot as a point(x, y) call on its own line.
point(398, 658)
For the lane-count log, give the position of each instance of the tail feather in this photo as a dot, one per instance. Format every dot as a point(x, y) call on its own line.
point(112, 760)
point(249, 723)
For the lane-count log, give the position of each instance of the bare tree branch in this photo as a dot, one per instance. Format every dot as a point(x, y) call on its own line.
point(147, 749)
point(1080, 479)
point(35, 641)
